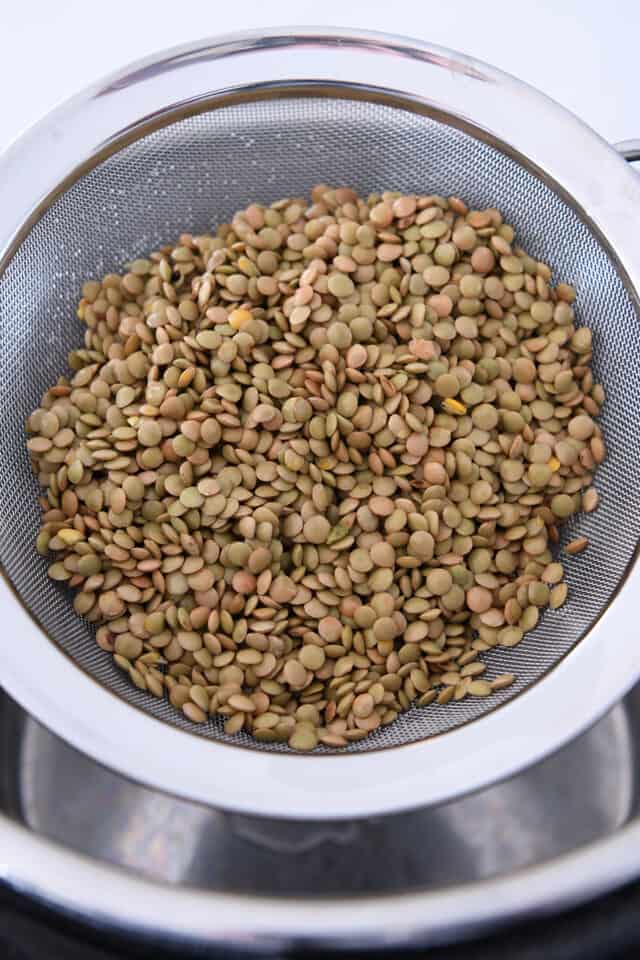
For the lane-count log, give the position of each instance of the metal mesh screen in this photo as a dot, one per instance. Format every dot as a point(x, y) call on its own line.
point(196, 173)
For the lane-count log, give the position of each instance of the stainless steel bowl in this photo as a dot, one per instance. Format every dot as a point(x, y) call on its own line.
point(99, 848)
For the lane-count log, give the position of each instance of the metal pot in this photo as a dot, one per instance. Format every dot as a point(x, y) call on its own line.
point(95, 847)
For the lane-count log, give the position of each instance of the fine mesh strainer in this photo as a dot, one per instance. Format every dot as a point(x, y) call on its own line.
point(179, 143)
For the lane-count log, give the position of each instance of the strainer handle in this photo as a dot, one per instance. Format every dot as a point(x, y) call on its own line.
point(629, 149)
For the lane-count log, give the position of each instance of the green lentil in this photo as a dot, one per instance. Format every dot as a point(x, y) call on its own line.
point(323, 465)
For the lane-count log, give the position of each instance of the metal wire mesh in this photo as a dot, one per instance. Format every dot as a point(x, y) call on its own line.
point(194, 174)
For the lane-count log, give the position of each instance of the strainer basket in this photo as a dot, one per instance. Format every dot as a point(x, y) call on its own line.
point(178, 143)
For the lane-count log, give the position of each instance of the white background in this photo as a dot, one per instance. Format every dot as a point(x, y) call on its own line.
point(581, 52)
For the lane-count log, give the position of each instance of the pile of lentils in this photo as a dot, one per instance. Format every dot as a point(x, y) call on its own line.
point(308, 470)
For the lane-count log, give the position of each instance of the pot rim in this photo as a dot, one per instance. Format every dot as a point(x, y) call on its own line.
point(111, 898)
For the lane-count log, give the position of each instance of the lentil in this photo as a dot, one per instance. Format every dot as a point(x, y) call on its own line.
point(331, 467)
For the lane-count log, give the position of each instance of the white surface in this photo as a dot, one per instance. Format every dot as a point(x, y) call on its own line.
point(581, 52)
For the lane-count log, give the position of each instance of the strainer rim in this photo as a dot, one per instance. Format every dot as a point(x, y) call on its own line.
point(375, 782)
